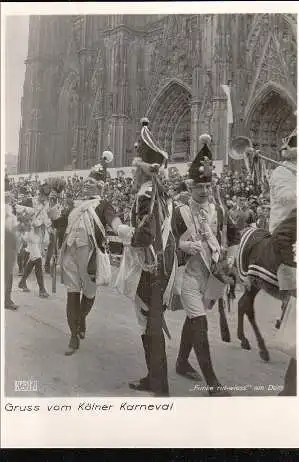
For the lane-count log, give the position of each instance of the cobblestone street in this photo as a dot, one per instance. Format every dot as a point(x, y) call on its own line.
point(111, 355)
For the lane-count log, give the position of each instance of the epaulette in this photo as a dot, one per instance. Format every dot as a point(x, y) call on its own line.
point(178, 205)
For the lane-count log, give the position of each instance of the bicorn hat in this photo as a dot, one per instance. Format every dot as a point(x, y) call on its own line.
point(201, 168)
point(147, 148)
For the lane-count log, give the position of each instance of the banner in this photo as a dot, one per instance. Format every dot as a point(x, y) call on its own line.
point(226, 90)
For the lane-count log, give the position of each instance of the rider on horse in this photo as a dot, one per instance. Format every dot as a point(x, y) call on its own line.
point(266, 260)
point(283, 214)
point(283, 226)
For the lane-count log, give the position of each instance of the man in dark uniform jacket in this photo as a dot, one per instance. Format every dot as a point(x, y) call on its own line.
point(78, 251)
point(152, 240)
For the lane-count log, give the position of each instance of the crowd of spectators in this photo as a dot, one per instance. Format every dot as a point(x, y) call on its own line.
point(246, 201)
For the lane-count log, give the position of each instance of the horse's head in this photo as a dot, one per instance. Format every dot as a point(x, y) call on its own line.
point(222, 271)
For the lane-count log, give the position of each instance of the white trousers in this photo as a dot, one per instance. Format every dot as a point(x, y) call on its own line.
point(74, 266)
point(191, 297)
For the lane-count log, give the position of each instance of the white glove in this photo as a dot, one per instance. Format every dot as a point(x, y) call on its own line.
point(190, 247)
point(125, 233)
point(54, 212)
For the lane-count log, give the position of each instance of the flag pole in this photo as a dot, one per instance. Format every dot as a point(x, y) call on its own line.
point(227, 140)
point(229, 119)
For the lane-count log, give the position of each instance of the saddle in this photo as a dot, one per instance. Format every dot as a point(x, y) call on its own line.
point(256, 256)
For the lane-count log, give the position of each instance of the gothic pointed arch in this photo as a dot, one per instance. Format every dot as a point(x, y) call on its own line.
point(268, 89)
point(270, 117)
point(170, 118)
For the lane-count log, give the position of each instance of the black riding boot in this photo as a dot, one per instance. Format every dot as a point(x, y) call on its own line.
point(9, 304)
point(183, 367)
point(73, 318)
point(49, 255)
point(156, 380)
point(290, 380)
point(20, 261)
point(40, 278)
point(48, 261)
point(202, 350)
point(85, 307)
point(158, 376)
point(143, 384)
point(27, 271)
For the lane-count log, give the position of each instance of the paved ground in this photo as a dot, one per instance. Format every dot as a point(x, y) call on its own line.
point(111, 355)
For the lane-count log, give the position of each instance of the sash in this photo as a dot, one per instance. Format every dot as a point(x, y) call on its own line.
point(131, 265)
point(73, 218)
point(191, 232)
point(211, 287)
point(76, 213)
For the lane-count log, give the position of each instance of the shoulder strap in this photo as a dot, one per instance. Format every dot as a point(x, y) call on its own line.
point(186, 215)
point(98, 221)
point(38, 212)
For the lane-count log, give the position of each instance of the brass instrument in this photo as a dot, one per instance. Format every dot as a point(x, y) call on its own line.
point(242, 148)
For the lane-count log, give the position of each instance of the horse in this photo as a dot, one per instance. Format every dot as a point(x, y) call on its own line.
point(258, 260)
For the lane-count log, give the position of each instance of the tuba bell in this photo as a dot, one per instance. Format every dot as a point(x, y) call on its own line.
point(240, 146)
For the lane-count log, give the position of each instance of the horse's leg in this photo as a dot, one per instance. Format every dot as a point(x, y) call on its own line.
point(285, 301)
point(264, 353)
point(224, 329)
point(243, 307)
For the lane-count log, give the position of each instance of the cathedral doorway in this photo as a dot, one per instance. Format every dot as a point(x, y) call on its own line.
point(170, 120)
point(271, 118)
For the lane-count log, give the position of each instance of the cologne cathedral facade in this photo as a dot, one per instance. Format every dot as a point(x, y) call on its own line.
point(90, 79)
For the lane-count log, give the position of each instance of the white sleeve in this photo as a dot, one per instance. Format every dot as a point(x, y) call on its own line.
point(283, 186)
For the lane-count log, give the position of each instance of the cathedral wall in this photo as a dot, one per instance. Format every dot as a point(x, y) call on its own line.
point(90, 79)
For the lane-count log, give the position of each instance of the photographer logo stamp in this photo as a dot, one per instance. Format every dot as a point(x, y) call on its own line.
point(26, 385)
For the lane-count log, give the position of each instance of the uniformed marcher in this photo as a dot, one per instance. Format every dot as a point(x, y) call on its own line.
point(84, 227)
point(283, 227)
point(195, 227)
point(10, 254)
point(283, 213)
point(53, 200)
point(149, 260)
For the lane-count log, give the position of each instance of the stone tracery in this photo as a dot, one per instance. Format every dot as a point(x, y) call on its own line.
point(270, 119)
point(173, 101)
point(161, 72)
